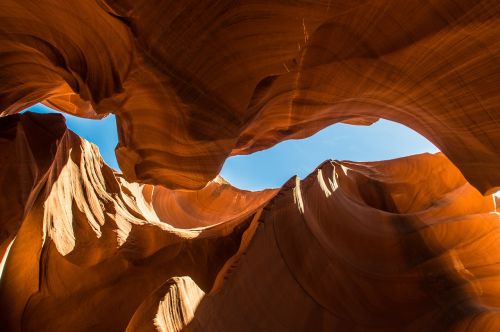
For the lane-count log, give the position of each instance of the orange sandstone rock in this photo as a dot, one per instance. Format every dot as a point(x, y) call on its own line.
point(403, 245)
point(192, 82)
point(90, 246)
point(399, 245)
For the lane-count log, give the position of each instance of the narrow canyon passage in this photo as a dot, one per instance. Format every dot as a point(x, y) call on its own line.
point(172, 231)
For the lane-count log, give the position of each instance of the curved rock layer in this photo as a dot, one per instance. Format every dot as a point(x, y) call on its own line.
point(399, 245)
point(192, 82)
point(89, 246)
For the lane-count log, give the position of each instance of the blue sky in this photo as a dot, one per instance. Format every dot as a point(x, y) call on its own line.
point(272, 167)
point(100, 132)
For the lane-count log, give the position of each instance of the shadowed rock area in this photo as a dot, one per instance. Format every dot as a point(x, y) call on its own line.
point(410, 244)
point(212, 79)
point(345, 248)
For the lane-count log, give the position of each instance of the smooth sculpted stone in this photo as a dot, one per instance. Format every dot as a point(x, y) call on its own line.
point(398, 245)
point(193, 82)
point(86, 247)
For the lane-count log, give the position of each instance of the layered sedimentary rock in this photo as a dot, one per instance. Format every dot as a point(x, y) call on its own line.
point(409, 244)
point(89, 246)
point(192, 82)
point(405, 244)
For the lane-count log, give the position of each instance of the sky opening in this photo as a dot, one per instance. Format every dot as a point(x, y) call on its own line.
point(272, 167)
point(102, 132)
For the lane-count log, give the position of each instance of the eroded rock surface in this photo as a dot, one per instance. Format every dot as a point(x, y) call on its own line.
point(403, 245)
point(399, 245)
point(192, 82)
point(89, 246)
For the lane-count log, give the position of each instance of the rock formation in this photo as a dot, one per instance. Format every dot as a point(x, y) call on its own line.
point(345, 248)
point(93, 244)
point(410, 244)
point(262, 71)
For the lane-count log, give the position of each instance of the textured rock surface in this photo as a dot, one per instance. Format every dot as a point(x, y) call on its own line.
point(402, 245)
point(89, 246)
point(405, 244)
point(261, 71)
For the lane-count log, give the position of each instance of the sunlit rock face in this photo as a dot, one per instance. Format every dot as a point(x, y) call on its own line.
point(405, 245)
point(89, 246)
point(399, 245)
point(192, 82)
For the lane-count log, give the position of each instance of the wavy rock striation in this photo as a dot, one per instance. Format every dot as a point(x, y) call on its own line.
point(405, 244)
point(192, 82)
point(89, 245)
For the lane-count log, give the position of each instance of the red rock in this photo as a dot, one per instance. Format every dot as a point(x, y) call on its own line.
point(402, 245)
point(193, 82)
point(346, 248)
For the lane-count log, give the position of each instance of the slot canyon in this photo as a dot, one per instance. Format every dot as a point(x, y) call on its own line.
point(167, 244)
